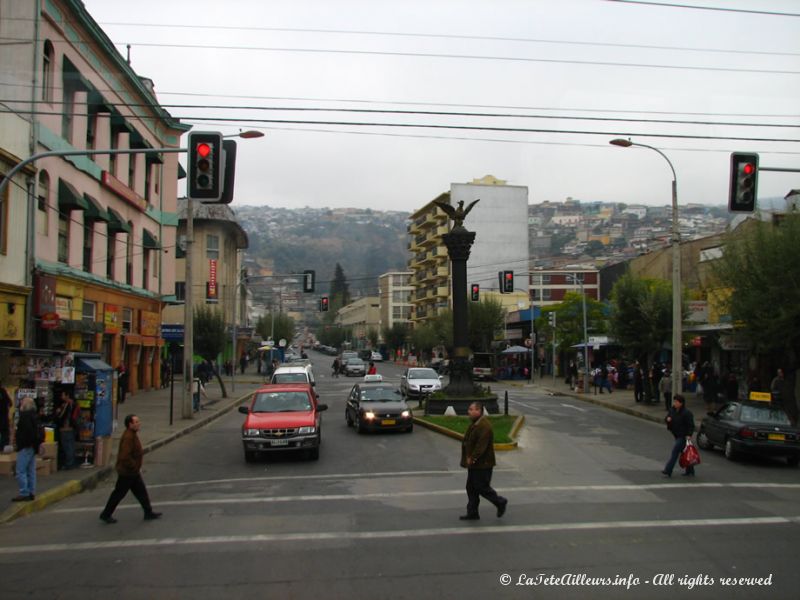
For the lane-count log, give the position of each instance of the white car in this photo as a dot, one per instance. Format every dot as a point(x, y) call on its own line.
point(418, 381)
point(376, 357)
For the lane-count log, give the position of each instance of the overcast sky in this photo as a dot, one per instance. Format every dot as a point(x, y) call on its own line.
point(732, 67)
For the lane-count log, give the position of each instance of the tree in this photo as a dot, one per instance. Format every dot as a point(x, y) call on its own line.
point(425, 338)
point(761, 272)
point(373, 336)
point(340, 290)
point(334, 335)
point(594, 248)
point(395, 336)
point(485, 318)
point(569, 319)
point(641, 315)
point(210, 337)
point(283, 328)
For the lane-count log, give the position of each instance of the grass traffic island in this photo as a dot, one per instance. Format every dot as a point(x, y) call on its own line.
point(505, 427)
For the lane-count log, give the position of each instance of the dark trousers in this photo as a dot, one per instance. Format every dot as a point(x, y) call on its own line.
point(124, 484)
point(638, 392)
point(479, 484)
point(667, 400)
point(677, 448)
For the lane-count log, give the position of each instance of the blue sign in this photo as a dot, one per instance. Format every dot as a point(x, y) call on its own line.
point(172, 333)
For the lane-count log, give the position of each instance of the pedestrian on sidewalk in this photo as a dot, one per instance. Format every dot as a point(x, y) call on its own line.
point(477, 456)
point(605, 382)
point(665, 387)
point(122, 382)
point(28, 439)
point(5, 419)
point(129, 473)
point(680, 421)
point(67, 416)
point(243, 363)
point(638, 382)
point(199, 394)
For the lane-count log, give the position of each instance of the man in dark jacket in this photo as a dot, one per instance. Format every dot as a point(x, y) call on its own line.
point(27, 440)
point(680, 422)
point(129, 473)
point(477, 456)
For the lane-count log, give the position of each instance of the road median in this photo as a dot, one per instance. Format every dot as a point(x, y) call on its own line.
point(506, 427)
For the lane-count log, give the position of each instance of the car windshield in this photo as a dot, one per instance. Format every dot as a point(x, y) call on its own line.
point(764, 414)
point(290, 378)
point(354, 361)
point(275, 402)
point(384, 394)
point(422, 374)
point(346, 355)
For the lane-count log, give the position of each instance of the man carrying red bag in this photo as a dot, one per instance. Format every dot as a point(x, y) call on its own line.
point(680, 421)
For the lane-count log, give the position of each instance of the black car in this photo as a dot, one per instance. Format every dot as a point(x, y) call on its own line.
point(377, 406)
point(751, 428)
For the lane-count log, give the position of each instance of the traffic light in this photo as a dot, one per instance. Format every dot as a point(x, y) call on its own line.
point(744, 182)
point(205, 166)
point(475, 292)
point(551, 319)
point(308, 281)
point(323, 304)
point(229, 167)
point(506, 282)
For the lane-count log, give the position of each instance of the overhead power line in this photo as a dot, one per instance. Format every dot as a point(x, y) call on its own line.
point(770, 13)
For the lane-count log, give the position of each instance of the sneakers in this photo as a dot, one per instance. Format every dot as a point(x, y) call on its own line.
point(501, 508)
point(666, 473)
point(152, 516)
point(469, 518)
point(109, 520)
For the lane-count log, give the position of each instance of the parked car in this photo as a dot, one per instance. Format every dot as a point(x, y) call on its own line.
point(296, 373)
point(374, 406)
point(419, 381)
point(376, 357)
point(282, 418)
point(355, 367)
point(751, 428)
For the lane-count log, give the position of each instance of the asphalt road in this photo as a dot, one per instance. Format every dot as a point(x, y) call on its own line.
point(376, 517)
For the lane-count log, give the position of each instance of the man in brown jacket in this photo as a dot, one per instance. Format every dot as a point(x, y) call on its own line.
point(477, 456)
point(129, 476)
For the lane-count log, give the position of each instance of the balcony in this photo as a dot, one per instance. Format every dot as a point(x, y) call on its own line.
point(443, 291)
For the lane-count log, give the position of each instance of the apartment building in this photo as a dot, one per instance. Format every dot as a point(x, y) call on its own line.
point(395, 291)
point(429, 262)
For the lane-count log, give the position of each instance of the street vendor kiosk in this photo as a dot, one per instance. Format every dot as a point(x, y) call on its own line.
point(93, 393)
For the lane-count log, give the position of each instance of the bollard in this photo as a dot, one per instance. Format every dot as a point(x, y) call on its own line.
point(506, 403)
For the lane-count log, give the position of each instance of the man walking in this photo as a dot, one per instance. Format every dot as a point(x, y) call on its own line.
point(67, 420)
point(665, 387)
point(129, 477)
point(477, 456)
point(680, 422)
point(638, 382)
point(28, 441)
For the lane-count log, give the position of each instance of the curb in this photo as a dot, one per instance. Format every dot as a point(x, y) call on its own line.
point(623, 409)
point(90, 481)
point(460, 437)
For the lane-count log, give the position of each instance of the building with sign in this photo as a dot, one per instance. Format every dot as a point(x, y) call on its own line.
point(104, 226)
point(216, 267)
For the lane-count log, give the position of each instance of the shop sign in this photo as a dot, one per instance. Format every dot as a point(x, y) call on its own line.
point(111, 319)
point(172, 332)
point(698, 311)
point(150, 323)
point(50, 321)
point(696, 342)
point(45, 295)
point(733, 343)
point(212, 278)
point(64, 307)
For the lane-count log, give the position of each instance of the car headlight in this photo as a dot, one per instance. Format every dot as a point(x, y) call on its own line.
point(251, 431)
point(405, 414)
point(306, 430)
point(369, 415)
point(413, 386)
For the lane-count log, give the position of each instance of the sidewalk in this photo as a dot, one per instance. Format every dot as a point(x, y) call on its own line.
point(152, 407)
point(623, 400)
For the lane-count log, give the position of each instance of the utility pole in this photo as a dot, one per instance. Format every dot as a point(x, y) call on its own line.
point(187, 409)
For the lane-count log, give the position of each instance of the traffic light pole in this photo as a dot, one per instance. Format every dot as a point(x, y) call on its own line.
point(187, 408)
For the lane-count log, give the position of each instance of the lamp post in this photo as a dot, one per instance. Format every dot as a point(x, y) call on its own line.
point(677, 305)
point(579, 281)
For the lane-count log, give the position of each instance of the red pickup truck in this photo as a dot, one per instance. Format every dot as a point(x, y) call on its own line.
point(281, 418)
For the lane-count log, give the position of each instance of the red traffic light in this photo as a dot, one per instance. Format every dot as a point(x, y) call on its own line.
point(509, 276)
point(203, 150)
point(748, 168)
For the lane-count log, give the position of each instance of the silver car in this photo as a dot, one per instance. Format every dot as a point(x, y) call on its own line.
point(419, 381)
point(355, 367)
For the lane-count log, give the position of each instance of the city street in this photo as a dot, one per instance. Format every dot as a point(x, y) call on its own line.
point(377, 517)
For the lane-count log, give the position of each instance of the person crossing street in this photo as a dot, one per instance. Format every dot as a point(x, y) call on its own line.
point(477, 456)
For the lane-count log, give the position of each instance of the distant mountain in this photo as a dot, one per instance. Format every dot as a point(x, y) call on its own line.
point(366, 243)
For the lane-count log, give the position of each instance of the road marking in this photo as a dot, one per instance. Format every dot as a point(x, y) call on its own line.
point(429, 493)
point(531, 406)
point(573, 407)
point(283, 538)
point(317, 477)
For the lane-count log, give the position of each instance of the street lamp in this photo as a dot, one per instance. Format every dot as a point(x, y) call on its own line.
point(579, 281)
point(677, 305)
point(246, 135)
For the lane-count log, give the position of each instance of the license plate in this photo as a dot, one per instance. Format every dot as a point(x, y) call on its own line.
point(777, 437)
point(388, 422)
point(279, 442)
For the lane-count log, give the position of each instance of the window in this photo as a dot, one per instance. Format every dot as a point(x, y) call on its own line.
point(63, 236)
point(536, 279)
point(132, 171)
point(111, 254)
point(180, 291)
point(68, 108)
point(401, 312)
point(89, 311)
point(399, 296)
point(88, 241)
point(546, 294)
point(127, 320)
point(148, 180)
point(212, 247)
point(112, 158)
point(43, 204)
point(147, 255)
point(48, 60)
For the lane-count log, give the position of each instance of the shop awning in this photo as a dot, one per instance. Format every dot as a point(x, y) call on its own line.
point(116, 224)
point(69, 198)
point(93, 364)
point(94, 212)
point(149, 241)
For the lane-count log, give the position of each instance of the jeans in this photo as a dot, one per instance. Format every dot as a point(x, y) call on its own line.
point(124, 484)
point(677, 448)
point(479, 484)
point(67, 447)
point(26, 471)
